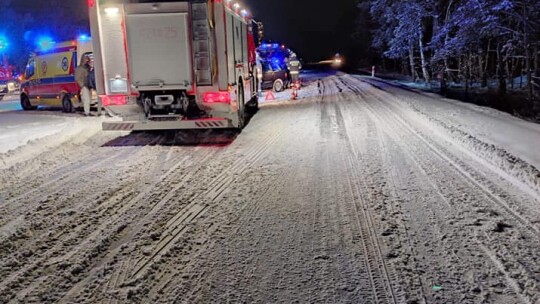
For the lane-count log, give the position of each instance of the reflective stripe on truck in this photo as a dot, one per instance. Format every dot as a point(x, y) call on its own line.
point(149, 125)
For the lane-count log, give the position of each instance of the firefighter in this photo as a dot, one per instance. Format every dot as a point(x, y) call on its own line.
point(294, 70)
point(82, 76)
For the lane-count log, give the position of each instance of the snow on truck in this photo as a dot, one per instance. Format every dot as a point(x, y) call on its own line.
point(174, 65)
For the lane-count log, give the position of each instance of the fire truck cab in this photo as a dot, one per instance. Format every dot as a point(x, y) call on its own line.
point(174, 65)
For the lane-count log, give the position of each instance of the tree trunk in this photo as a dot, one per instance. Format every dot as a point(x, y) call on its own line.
point(526, 42)
point(509, 62)
point(404, 66)
point(411, 62)
point(536, 67)
point(467, 74)
point(425, 71)
point(500, 70)
point(485, 80)
point(481, 71)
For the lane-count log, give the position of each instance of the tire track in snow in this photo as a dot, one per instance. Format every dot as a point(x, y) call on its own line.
point(464, 170)
point(136, 268)
point(473, 184)
point(179, 223)
point(57, 253)
point(375, 266)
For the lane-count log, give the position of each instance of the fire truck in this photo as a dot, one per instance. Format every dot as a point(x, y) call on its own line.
point(174, 65)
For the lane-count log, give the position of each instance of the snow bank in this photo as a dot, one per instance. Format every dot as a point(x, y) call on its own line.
point(10, 103)
point(505, 141)
point(24, 135)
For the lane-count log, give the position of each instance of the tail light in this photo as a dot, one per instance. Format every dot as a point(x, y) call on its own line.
point(113, 100)
point(217, 97)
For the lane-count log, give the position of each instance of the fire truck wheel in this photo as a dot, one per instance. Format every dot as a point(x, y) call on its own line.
point(253, 105)
point(187, 104)
point(67, 106)
point(241, 108)
point(25, 103)
point(146, 104)
point(278, 85)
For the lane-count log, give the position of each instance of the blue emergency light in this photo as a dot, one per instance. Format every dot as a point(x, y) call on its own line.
point(45, 43)
point(83, 37)
point(4, 43)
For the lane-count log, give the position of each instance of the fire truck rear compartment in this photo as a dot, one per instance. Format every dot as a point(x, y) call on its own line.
point(159, 52)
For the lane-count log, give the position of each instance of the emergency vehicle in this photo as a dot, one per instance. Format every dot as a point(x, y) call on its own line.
point(174, 65)
point(5, 78)
point(49, 78)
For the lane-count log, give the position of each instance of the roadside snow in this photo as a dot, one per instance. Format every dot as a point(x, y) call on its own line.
point(517, 136)
point(507, 142)
point(309, 91)
point(24, 135)
point(10, 103)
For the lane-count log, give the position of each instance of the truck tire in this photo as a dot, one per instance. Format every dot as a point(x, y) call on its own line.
point(67, 105)
point(278, 86)
point(241, 108)
point(188, 105)
point(253, 105)
point(25, 103)
point(146, 104)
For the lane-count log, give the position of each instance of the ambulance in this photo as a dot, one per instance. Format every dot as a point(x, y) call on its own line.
point(49, 78)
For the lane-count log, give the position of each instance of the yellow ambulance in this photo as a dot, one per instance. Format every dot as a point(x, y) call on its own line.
point(50, 75)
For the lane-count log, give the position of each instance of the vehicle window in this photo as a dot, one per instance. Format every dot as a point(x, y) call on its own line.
point(266, 67)
point(30, 69)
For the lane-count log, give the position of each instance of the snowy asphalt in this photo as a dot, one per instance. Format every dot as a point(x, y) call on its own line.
point(360, 194)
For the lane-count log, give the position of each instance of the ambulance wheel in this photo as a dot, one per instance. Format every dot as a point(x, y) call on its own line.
point(67, 106)
point(278, 85)
point(25, 103)
point(241, 108)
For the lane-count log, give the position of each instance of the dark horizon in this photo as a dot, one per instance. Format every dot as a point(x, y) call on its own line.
point(315, 29)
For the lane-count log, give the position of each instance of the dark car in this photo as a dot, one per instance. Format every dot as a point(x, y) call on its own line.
point(274, 76)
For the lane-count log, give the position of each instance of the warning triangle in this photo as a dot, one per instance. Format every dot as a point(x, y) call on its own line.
point(270, 96)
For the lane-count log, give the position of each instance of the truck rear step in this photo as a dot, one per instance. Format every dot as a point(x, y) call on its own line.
point(210, 123)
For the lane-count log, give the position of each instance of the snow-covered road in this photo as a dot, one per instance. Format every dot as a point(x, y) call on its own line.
point(354, 195)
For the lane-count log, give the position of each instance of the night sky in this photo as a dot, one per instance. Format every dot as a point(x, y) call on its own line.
point(315, 29)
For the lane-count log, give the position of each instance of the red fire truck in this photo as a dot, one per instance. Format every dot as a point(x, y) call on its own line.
point(174, 65)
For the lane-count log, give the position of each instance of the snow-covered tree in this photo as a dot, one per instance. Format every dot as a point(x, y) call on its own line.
point(463, 39)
